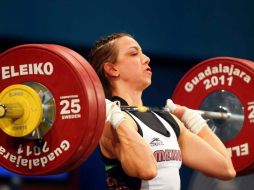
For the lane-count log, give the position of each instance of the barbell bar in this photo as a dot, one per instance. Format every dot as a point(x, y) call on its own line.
point(15, 111)
point(206, 114)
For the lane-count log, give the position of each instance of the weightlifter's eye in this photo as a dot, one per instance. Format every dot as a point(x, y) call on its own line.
point(134, 53)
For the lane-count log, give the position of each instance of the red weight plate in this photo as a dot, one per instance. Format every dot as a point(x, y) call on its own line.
point(99, 116)
point(223, 74)
point(85, 143)
point(100, 105)
point(64, 79)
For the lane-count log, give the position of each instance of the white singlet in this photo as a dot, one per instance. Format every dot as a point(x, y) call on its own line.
point(167, 154)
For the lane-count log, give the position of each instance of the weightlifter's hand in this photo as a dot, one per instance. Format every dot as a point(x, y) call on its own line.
point(191, 118)
point(114, 114)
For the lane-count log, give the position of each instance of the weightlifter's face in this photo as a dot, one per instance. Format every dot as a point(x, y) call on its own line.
point(132, 63)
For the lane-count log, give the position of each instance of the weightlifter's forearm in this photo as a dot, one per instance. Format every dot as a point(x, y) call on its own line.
point(134, 153)
point(207, 134)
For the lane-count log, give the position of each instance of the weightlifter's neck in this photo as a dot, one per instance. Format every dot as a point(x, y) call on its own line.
point(133, 98)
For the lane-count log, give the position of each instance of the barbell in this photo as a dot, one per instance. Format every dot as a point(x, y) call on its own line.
point(52, 107)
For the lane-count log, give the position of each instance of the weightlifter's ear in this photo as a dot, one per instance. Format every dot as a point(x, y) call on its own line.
point(111, 70)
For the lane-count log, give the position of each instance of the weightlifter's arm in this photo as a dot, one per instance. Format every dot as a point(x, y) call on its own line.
point(199, 128)
point(123, 142)
point(200, 155)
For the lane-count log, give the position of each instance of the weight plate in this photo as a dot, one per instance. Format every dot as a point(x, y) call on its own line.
point(99, 116)
point(99, 94)
point(65, 81)
point(85, 143)
point(225, 82)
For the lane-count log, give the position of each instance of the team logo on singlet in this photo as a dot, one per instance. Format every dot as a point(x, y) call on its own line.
point(156, 142)
point(167, 155)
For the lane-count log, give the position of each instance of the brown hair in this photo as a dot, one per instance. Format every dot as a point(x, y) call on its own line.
point(104, 51)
